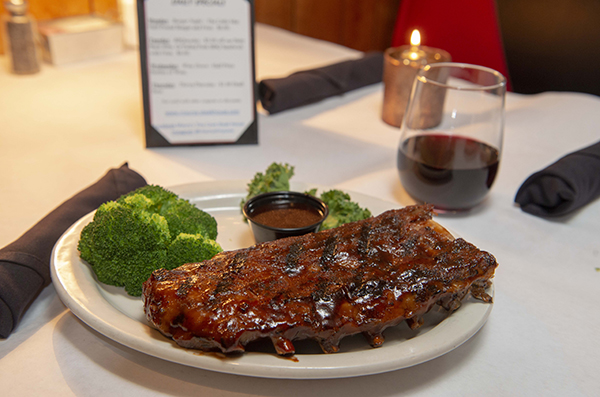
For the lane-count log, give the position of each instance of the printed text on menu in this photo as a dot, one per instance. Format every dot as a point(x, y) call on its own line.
point(199, 59)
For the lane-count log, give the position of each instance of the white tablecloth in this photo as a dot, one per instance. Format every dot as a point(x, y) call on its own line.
point(61, 129)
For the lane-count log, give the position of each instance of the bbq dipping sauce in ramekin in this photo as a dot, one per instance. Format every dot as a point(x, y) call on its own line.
point(276, 215)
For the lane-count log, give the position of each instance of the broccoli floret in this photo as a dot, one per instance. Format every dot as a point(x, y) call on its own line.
point(181, 215)
point(140, 232)
point(341, 209)
point(184, 217)
point(191, 248)
point(124, 245)
point(157, 195)
point(137, 202)
point(275, 178)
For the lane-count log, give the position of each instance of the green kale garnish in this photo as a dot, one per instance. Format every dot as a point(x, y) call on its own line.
point(341, 209)
point(276, 178)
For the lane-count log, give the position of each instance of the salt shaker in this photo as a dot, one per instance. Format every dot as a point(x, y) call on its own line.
point(19, 34)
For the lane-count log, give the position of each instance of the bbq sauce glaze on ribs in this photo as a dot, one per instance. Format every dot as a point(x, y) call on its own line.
point(362, 277)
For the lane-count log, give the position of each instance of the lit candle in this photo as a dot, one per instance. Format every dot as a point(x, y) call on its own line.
point(400, 68)
point(414, 53)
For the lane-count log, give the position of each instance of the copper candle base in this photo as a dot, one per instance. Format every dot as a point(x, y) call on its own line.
point(398, 76)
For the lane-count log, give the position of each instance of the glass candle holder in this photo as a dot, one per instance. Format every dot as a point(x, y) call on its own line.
point(400, 67)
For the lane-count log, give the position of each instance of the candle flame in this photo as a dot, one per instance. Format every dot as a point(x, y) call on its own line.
point(415, 37)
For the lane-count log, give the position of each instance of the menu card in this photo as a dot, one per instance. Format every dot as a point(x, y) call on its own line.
point(198, 79)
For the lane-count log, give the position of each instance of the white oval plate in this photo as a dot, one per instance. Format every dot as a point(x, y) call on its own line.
point(118, 316)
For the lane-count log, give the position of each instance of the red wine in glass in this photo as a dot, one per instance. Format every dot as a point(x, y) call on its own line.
point(453, 173)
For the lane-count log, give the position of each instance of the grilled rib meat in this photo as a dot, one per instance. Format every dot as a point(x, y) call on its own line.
point(361, 277)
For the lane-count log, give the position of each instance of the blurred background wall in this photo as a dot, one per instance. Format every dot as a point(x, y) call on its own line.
point(550, 45)
point(359, 24)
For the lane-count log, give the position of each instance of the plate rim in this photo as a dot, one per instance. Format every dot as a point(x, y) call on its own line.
point(101, 316)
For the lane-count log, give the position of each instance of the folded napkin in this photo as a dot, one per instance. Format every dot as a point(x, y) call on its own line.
point(309, 86)
point(566, 185)
point(25, 263)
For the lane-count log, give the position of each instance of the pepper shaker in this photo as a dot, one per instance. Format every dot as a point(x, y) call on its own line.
point(19, 34)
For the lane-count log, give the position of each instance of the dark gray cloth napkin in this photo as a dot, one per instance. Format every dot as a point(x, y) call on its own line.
point(309, 86)
point(25, 263)
point(564, 186)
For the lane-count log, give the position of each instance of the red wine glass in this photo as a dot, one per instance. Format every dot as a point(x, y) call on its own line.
point(451, 135)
